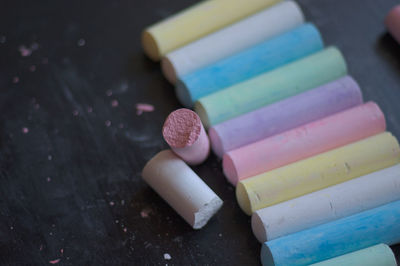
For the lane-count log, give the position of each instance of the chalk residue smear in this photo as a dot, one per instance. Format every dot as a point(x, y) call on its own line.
point(144, 107)
point(182, 128)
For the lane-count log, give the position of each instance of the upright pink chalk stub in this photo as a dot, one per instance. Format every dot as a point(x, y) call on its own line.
point(392, 22)
point(185, 134)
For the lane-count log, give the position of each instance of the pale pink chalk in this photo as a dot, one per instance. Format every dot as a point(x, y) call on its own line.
point(54, 261)
point(25, 51)
point(144, 107)
point(185, 134)
point(299, 143)
point(392, 22)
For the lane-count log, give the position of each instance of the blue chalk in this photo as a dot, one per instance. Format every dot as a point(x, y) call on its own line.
point(270, 54)
point(362, 230)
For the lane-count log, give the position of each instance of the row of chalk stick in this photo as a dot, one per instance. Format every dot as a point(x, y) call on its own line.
point(312, 163)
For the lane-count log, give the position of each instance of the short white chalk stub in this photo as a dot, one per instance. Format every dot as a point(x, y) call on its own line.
point(181, 188)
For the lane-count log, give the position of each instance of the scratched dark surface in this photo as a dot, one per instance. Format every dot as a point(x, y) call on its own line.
point(70, 162)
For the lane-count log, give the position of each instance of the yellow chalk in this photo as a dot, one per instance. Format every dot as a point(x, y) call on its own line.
point(195, 22)
point(318, 172)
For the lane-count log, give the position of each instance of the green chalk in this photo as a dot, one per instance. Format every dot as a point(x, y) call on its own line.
point(269, 87)
point(380, 255)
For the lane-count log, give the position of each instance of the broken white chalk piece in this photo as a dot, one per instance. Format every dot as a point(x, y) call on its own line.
point(181, 188)
point(185, 134)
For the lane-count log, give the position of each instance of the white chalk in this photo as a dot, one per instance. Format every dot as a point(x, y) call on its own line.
point(182, 188)
point(232, 39)
point(323, 206)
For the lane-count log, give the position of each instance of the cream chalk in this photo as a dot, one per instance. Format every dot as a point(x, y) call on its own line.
point(181, 188)
point(185, 134)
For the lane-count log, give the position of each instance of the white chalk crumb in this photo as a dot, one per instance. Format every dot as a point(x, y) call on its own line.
point(48, 179)
point(122, 202)
point(116, 221)
point(112, 203)
point(220, 235)
point(107, 123)
point(167, 256)
point(36, 106)
point(49, 157)
point(3, 39)
point(109, 93)
point(25, 130)
point(12, 227)
point(15, 80)
point(81, 42)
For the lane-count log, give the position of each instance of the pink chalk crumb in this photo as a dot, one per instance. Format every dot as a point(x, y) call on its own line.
point(144, 107)
point(54, 261)
point(41, 247)
point(32, 68)
point(109, 93)
point(182, 128)
point(121, 126)
point(90, 109)
point(75, 113)
point(15, 80)
point(24, 51)
point(25, 130)
point(48, 179)
point(145, 213)
point(107, 123)
point(81, 42)
point(62, 251)
point(36, 106)
point(114, 103)
point(112, 203)
point(125, 230)
point(45, 61)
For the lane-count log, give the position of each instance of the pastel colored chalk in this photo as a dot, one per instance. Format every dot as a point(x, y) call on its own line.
point(195, 22)
point(305, 141)
point(381, 255)
point(281, 116)
point(349, 234)
point(318, 172)
point(305, 74)
point(392, 22)
point(268, 55)
point(326, 205)
point(232, 39)
point(181, 188)
point(185, 134)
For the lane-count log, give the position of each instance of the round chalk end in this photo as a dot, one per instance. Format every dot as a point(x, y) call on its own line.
point(266, 255)
point(243, 198)
point(168, 69)
point(182, 128)
point(258, 228)
point(230, 169)
point(150, 46)
point(216, 142)
point(183, 94)
point(202, 112)
point(392, 16)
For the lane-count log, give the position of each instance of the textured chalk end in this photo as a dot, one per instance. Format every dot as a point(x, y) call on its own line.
point(243, 198)
point(230, 169)
point(150, 46)
point(202, 112)
point(266, 256)
point(183, 94)
point(392, 22)
point(168, 70)
point(258, 228)
point(182, 128)
point(216, 142)
point(202, 217)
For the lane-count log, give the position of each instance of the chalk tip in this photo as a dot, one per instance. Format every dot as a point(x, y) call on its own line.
point(243, 199)
point(183, 94)
point(150, 46)
point(216, 142)
point(207, 211)
point(168, 69)
point(202, 112)
point(266, 256)
point(258, 228)
point(229, 169)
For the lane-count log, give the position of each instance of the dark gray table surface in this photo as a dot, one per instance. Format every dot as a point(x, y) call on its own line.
point(70, 187)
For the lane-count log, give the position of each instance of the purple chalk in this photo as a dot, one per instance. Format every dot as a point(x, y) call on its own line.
point(295, 111)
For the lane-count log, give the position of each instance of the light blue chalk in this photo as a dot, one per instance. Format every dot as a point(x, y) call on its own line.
point(362, 230)
point(270, 54)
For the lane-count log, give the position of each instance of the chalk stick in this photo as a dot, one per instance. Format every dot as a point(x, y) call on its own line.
point(305, 141)
point(268, 55)
point(305, 74)
point(195, 22)
point(278, 117)
point(326, 205)
point(185, 134)
point(181, 188)
point(362, 230)
point(318, 172)
point(381, 255)
point(392, 22)
point(232, 39)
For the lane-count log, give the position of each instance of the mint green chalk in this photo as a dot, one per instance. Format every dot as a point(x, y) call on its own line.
point(269, 87)
point(380, 255)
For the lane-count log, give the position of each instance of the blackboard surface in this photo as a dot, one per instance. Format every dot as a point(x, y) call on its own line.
point(72, 146)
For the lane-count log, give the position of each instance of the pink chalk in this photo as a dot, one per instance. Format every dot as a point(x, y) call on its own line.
point(299, 143)
point(185, 134)
point(392, 22)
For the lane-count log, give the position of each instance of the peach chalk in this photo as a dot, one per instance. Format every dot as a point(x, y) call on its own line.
point(185, 134)
point(305, 141)
point(392, 22)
